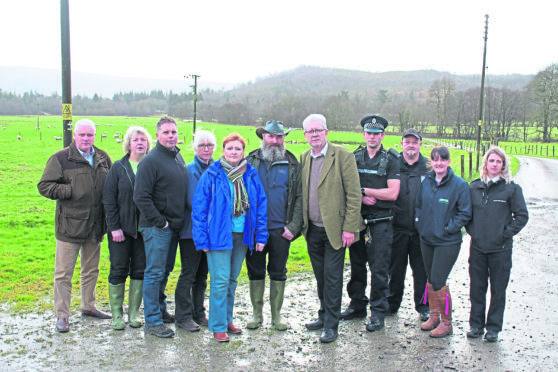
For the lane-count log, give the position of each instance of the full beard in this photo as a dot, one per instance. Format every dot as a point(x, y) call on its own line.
point(272, 154)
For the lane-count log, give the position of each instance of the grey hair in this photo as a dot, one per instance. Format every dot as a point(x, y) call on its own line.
point(314, 117)
point(85, 123)
point(203, 135)
point(131, 132)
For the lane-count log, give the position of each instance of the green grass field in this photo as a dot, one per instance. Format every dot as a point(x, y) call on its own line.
point(27, 244)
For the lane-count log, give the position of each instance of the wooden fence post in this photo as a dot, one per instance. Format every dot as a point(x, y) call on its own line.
point(471, 164)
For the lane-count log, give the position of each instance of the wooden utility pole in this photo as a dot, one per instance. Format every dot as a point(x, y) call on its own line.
point(195, 96)
point(481, 110)
point(66, 73)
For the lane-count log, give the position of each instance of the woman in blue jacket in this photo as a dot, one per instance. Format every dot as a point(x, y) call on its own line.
point(229, 216)
point(443, 207)
point(499, 212)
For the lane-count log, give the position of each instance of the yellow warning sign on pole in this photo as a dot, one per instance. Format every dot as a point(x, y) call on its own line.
point(66, 111)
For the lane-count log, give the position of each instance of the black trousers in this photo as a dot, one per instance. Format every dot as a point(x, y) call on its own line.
point(438, 262)
point(406, 248)
point(495, 267)
point(126, 258)
point(378, 255)
point(277, 250)
point(192, 282)
point(327, 264)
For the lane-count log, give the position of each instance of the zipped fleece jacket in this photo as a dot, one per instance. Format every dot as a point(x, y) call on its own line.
point(411, 180)
point(161, 188)
point(499, 213)
point(212, 210)
point(442, 210)
point(118, 198)
point(77, 188)
point(294, 197)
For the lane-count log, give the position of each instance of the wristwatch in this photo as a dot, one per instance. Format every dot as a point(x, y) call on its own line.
point(362, 191)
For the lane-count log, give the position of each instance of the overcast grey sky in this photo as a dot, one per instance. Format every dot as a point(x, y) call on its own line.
point(241, 40)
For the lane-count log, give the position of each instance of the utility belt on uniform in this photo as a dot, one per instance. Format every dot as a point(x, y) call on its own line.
point(370, 220)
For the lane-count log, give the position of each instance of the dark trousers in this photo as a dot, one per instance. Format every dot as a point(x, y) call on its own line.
point(277, 250)
point(192, 282)
point(377, 253)
point(126, 258)
point(438, 262)
point(327, 264)
point(406, 248)
point(482, 267)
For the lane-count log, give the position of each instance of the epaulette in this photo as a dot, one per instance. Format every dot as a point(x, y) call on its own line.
point(393, 152)
point(360, 147)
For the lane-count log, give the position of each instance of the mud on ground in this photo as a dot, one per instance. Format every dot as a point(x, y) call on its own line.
point(528, 341)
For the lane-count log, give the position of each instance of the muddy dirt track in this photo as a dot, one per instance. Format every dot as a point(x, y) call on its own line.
point(528, 341)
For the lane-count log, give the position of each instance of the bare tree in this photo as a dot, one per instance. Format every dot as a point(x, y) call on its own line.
point(440, 93)
point(544, 89)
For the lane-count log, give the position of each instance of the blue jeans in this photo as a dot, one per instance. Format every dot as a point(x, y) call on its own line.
point(160, 253)
point(224, 267)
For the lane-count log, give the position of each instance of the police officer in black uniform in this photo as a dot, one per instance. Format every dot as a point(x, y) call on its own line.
point(379, 180)
point(406, 242)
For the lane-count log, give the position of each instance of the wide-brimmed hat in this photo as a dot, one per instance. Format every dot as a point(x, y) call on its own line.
point(273, 127)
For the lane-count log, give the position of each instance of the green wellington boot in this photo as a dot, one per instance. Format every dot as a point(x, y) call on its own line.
point(116, 298)
point(135, 296)
point(276, 294)
point(257, 289)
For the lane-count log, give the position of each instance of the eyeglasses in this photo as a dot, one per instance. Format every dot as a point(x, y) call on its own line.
point(314, 131)
point(206, 147)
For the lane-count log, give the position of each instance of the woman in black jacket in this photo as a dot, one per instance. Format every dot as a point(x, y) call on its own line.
point(127, 251)
point(499, 212)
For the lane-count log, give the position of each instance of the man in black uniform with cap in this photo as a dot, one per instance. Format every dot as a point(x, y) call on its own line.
point(406, 242)
point(379, 180)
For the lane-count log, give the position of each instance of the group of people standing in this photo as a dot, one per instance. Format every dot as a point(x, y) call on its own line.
point(388, 208)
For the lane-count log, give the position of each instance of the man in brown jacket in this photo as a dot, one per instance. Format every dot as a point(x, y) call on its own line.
point(331, 218)
point(74, 177)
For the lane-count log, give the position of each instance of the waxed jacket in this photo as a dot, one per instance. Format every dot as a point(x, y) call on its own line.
point(77, 188)
point(161, 188)
point(294, 197)
point(442, 210)
point(118, 198)
point(412, 176)
point(212, 210)
point(499, 213)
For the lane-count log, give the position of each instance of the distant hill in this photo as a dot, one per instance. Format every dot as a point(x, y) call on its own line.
point(304, 80)
point(322, 81)
point(46, 81)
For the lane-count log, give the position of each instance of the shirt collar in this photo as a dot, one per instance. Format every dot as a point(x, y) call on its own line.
point(322, 153)
point(89, 157)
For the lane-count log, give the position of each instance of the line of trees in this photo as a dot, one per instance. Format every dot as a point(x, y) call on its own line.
point(440, 110)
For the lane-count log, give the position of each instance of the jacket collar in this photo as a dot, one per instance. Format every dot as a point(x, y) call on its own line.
point(164, 150)
point(446, 178)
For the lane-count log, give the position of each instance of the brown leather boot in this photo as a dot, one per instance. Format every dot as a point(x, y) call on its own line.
point(434, 319)
point(443, 298)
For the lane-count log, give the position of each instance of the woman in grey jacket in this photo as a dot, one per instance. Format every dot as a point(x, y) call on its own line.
point(499, 213)
point(443, 207)
point(125, 242)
